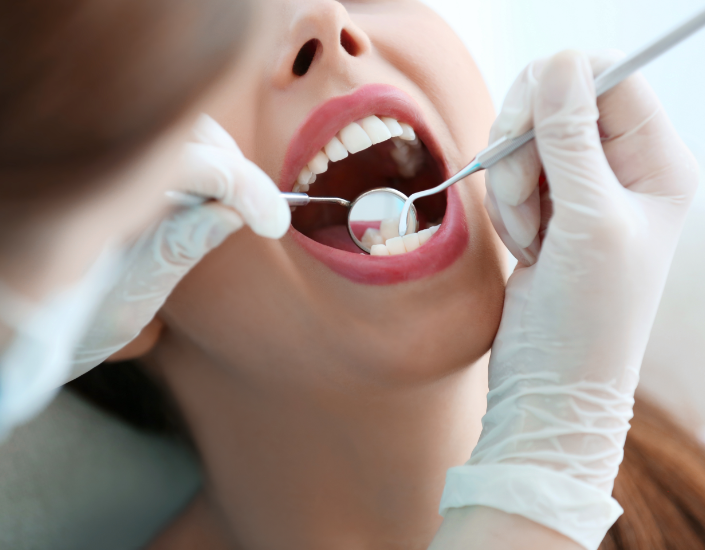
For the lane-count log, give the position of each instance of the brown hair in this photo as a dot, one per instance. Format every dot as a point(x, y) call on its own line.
point(661, 486)
point(86, 84)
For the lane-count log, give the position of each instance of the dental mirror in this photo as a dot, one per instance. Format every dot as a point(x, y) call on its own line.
point(373, 217)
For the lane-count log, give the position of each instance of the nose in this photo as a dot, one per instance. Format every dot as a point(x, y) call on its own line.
point(321, 33)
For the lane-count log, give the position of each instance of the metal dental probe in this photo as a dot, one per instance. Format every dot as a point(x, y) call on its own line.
point(302, 199)
point(606, 81)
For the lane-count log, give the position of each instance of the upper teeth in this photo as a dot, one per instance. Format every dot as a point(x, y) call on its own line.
point(355, 137)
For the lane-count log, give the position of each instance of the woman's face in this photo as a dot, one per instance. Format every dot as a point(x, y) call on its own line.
point(309, 307)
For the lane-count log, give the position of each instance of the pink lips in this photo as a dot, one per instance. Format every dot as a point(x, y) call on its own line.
point(317, 130)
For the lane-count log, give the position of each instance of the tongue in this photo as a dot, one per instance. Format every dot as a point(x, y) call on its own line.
point(335, 236)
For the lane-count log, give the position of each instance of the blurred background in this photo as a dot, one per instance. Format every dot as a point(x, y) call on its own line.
point(505, 35)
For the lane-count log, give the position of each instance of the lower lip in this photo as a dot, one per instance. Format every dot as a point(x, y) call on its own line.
point(439, 253)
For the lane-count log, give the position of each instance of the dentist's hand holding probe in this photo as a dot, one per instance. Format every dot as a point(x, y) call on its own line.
point(578, 309)
point(244, 195)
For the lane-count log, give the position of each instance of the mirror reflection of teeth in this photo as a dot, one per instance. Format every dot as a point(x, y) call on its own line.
point(389, 228)
point(396, 245)
point(372, 237)
point(356, 137)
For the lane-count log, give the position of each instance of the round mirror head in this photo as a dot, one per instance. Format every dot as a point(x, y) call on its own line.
point(374, 217)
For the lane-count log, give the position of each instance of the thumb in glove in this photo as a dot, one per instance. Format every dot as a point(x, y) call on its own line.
point(215, 167)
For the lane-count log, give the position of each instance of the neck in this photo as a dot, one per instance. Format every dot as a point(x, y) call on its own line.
point(312, 463)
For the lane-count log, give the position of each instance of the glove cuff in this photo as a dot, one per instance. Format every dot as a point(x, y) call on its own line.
point(574, 508)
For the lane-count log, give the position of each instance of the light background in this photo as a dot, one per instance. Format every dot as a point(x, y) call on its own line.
point(505, 35)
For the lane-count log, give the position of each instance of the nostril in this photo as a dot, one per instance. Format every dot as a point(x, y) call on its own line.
point(349, 44)
point(305, 57)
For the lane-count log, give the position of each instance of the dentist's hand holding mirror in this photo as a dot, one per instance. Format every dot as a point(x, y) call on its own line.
point(578, 309)
point(242, 194)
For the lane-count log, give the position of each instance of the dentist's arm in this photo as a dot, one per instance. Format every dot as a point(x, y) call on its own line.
point(243, 195)
point(565, 363)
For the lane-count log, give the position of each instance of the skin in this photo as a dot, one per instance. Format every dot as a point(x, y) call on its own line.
point(333, 427)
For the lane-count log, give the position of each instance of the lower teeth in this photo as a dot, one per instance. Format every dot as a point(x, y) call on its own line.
point(394, 245)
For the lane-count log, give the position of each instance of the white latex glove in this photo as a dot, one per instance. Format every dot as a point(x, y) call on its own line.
point(566, 359)
point(214, 167)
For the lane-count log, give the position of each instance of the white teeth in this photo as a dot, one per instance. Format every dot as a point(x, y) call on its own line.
point(299, 188)
point(411, 242)
point(371, 237)
point(361, 135)
point(335, 150)
point(402, 245)
point(394, 127)
point(426, 234)
point(396, 246)
point(355, 138)
point(319, 164)
point(376, 129)
point(379, 250)
point(408, 133)
point(304, 176)
point(409, 157)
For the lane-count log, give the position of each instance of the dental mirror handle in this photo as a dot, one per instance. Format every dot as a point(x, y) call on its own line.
point(302, 199)
point(178, 198)
point(603, 83)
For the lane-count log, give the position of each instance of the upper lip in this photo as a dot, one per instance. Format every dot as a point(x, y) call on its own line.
point(324, 122)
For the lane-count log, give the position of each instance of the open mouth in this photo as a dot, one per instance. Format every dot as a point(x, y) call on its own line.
point(372, 138)
point(367, 154)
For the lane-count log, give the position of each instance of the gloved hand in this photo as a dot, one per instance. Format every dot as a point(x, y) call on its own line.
point(39, 338)
point(214, 167)
point(565, 362)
